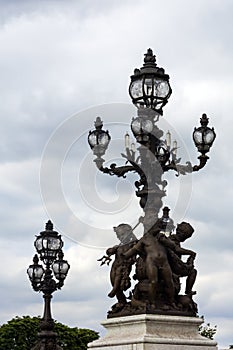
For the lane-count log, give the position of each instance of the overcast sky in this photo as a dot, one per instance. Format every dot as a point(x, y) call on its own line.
point(62, 63)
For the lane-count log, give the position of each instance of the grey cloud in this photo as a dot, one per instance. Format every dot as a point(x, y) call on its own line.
point(55, 61)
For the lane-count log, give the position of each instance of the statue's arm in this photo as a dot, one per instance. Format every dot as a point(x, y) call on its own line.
point(133, 251)
point(184, 251)
point(170, 244)
point(167, 242)
point(111, 251)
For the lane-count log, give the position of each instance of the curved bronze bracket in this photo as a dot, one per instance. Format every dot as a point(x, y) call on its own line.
point(203, 160)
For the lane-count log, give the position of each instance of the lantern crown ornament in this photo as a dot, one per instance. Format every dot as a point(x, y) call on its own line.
point(60, 267)
point(204, 136)
point(99, 139)
point(48, 244)
point(35, 272)
point(149, 86)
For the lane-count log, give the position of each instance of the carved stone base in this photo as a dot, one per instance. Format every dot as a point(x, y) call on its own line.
point(153, 332)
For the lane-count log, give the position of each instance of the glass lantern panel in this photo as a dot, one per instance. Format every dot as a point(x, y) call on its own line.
point(56, 267)
point(162, 88)
point(208, 136)
point(136, 89)
point(148, 87)
point(198, 137)
point(30, 272)
point(53, 243)
point(60, 269)
point(38, 244)
point(136, 126)
point(103, 139)
point(156, 83)
point(92, 139)
point(147, 126)
point(38, 272)
point(64, 267)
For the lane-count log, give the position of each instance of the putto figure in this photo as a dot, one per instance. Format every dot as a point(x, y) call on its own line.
point(121, 266)
point(180, 268)
point(158, 269)
point(152, 249)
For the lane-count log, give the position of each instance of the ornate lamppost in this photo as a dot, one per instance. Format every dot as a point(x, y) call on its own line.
point(158, 271)
point(48, 245)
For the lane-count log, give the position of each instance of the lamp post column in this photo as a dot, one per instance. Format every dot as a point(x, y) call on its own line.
point(49, 246)
point(151, 194)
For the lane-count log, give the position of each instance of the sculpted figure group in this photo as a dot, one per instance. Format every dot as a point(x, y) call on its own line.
point(158, 268)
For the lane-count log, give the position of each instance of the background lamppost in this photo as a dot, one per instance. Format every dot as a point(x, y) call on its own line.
point(158, 271)
point(49, 248)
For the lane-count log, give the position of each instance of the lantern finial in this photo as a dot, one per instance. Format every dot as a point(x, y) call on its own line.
point(204, 120)
point(149, 58)
point(49, 226)
point(98, 123)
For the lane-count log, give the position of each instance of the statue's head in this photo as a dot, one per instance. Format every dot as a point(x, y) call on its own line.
point(124, 233)
point(184, 230)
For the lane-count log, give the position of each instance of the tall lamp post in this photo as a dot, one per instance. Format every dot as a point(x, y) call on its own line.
point(48, 245)
point(158, 285)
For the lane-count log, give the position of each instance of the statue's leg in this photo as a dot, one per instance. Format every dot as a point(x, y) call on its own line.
point(114, 290)
point(190, 282)
point(169, 285)
point(152, 274)
point(115, 278)
point(121, 297)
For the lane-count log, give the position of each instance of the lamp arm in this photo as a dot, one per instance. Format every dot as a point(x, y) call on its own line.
point(202, 162)
point(188, 168)
point(181, 169)
point(135, 165)
point(113, 169)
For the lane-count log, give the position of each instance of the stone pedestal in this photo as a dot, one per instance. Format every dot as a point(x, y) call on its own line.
point(153, 332)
